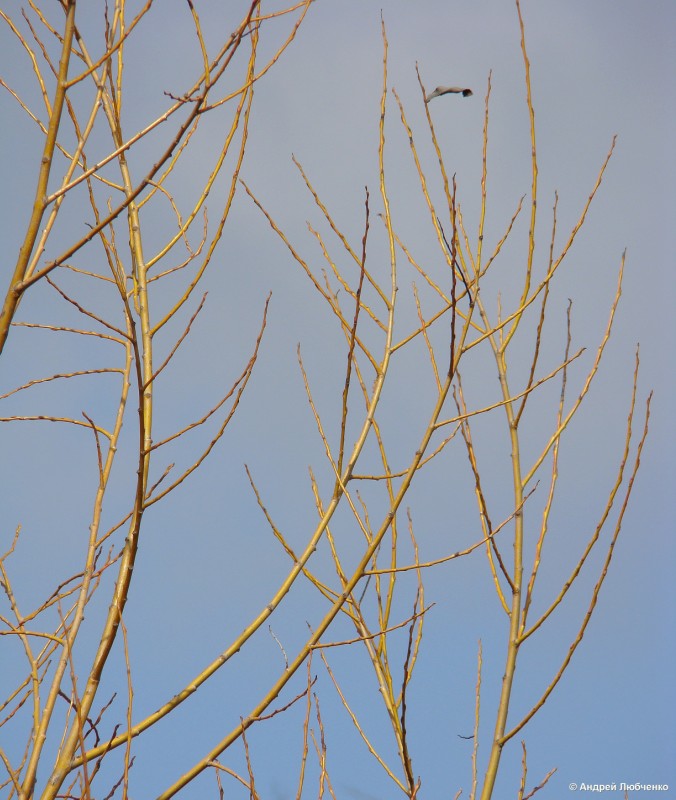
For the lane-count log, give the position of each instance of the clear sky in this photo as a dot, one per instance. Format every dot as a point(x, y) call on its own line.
point(209, 562)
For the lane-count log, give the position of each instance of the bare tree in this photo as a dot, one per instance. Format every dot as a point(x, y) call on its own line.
point(136, 298)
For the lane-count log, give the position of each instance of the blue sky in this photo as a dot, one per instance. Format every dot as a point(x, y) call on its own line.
point(208, 562)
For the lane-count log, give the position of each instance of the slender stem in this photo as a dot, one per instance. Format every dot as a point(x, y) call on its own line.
point(15, 291)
